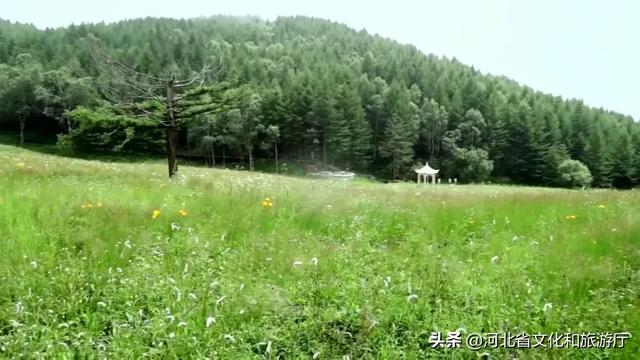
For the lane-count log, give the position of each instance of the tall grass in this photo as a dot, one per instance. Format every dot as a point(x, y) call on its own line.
point(327, 271)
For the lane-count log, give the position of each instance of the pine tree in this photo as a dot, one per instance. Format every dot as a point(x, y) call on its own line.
point(597, 159)
point(623, 161)
point(398, 145)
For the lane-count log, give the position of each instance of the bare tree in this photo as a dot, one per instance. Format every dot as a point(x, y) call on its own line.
point(167, 100)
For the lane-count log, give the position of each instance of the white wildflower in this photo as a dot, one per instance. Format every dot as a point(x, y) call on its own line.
point(412, 298)
point(34, 264)
point(210, 321)
point(547, 307)
point(495, 259)
point(229, 337)
point(15, 323)
point(314, 261)
point(100, 303)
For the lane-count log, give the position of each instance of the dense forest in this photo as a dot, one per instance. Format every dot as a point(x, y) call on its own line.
point(312, 92)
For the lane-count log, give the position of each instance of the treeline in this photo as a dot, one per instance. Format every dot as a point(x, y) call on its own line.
point(318, 92)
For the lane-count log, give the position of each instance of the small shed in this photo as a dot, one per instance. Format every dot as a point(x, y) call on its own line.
point(427, 173)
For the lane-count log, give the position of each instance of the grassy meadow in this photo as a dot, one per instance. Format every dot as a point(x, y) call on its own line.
point(110, 260)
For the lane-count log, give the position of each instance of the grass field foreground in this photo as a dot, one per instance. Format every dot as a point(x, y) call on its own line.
point(116, 260)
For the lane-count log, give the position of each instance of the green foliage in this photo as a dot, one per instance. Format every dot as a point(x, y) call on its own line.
point(337, 96)
point(574, 173)
point(102, 130)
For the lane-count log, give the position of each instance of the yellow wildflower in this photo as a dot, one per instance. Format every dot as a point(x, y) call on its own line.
point(99, 204)
point(89, 205)
point(267, 203)
point(83, 206)
point(21, 165)
point(602, 206)
point(182, 212)
point(570, 217)
point(155, 214)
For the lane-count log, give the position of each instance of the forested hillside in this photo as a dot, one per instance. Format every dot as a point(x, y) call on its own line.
point(314, 92)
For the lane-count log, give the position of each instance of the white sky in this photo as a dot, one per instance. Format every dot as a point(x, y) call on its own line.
point(586, 49)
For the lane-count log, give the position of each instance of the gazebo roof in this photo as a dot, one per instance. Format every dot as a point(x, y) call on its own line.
point(426, 169)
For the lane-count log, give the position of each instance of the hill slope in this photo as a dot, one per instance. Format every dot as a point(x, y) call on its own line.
point(337, 97)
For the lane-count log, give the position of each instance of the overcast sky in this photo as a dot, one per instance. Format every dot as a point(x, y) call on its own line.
point(585, 49)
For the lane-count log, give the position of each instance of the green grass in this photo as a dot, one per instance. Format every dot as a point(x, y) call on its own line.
point(112, 282)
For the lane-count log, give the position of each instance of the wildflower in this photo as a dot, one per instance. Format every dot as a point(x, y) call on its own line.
point(412, 298)
point(314, 261)
point(267, 203)
point(182, 212)
point(155, 214)
point(570, 217)
point(99, 204)
point(495, 259)
point(471, 222)
point(21, 165)
point(602, 206)
point(547, 307)
point(210, 321)
point(89, 205)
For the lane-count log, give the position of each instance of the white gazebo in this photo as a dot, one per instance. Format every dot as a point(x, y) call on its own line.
point(427, 172)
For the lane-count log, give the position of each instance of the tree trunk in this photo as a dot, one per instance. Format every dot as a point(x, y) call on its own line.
point(69, 126)
point(251, 159)
point(172, 133)
point(213, 155)
point(275, 146)
point(172, 150)
point(324, 151)
point(23, 123)
point(224, 157)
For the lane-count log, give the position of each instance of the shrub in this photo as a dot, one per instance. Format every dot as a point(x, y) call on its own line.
point(573, 173)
